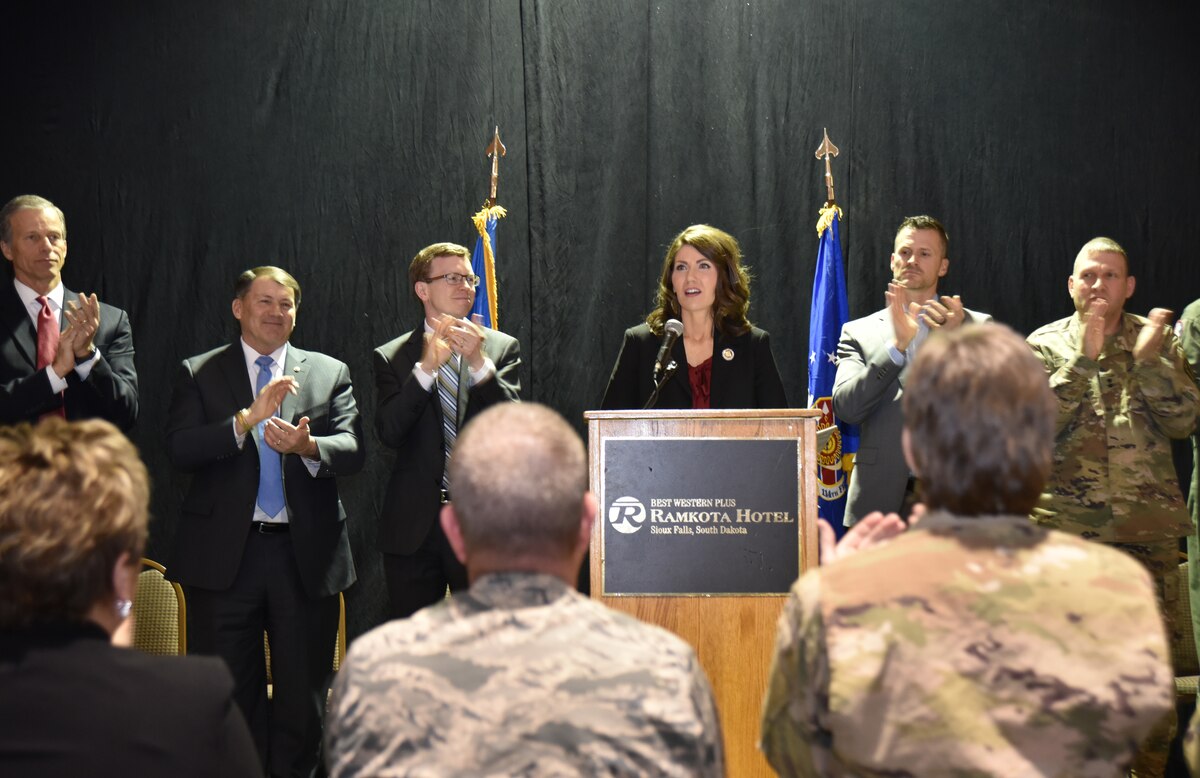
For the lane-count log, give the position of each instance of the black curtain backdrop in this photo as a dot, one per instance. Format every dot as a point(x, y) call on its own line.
point(187, 141)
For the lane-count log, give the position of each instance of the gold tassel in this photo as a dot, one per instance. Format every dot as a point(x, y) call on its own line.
point(827, 218)
point(489, 258)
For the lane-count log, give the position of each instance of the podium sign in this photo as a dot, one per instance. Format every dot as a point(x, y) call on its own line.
point(700, 516)
point(676, 489)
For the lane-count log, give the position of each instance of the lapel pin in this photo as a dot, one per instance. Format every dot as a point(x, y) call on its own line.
point(727, 354)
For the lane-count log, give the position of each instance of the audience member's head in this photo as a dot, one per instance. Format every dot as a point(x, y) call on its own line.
point(979, 422)
point(73, 515)
point(518, 479)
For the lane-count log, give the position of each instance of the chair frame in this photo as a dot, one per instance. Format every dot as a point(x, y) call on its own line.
point(150, 564)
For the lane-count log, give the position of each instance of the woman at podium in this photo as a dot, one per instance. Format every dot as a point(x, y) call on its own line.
point(717, 359)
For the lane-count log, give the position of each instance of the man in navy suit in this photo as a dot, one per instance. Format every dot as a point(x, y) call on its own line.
point(446, 361)
point(265, 429)
point(60, 353)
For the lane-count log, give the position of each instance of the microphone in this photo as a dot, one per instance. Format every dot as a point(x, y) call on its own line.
point(671, 332)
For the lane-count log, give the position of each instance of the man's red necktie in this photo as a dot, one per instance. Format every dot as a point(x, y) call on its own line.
point(47, 344)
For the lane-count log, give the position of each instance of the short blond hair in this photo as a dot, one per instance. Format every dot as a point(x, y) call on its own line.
point(26, 202)
point(1102, 245)
point(519, 473)
point(74, 497)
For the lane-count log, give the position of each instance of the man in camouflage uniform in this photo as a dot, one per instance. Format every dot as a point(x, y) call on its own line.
point(977, 643)
point(520, 674)
point(1187, 329)
point(1123, 392)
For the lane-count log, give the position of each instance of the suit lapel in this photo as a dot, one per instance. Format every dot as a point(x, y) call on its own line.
point(415, 344)
point(68, 295)
point(464, 389)
point(681, 379)
point(17, 321)
point(295, 365)
point(233, 370)
point(413, 349)
point(722, 369)
point(886, 334)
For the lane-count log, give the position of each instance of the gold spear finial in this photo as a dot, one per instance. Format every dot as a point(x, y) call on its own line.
point(496, 150)
point(827, 150)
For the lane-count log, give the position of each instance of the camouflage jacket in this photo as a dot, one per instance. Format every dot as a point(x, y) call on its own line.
point(1188, 329)
point(521, 675)
point(1113, 478)
point(981, 646)
point(1191, 743)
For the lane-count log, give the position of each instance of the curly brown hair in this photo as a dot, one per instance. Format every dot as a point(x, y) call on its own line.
point(73, 499)
point(732, 300)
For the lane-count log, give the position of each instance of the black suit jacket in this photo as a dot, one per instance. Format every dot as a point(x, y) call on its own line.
point(408, 418)
point(72, 704)
point(747, 379)
point(217, 510)
point(110, 391)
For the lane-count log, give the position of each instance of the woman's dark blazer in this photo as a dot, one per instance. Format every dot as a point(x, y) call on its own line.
point(743, 373)
point(73, 704)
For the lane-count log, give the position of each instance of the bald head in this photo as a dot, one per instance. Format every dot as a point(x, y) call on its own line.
point(518, 478)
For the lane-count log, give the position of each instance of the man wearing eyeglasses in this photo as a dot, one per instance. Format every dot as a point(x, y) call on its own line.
point(429, 383)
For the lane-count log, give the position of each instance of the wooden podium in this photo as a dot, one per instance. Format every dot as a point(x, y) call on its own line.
point(692, 501)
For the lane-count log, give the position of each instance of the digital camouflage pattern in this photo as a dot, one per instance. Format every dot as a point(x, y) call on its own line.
point(968, 647)
point(1113, 478)
point(522, 676)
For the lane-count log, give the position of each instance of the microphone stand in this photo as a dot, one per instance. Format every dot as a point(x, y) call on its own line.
point(668, 371)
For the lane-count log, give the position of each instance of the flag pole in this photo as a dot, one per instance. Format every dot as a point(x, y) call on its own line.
point(837, 441)
point(484, 259)
point(826, 151)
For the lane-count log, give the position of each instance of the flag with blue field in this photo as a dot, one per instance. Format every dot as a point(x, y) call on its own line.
point(830, 310)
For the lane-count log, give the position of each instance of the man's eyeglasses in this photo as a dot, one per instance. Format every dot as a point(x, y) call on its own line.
point(455, 279)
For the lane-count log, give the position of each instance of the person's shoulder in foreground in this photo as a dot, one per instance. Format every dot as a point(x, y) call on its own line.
point(521, 674)
point(976, 643)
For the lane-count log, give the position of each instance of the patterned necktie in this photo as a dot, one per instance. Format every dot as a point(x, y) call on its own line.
point(447, 387)
point(270, 473)
point(47, 345)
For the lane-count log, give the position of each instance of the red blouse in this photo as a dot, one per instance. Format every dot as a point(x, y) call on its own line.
point(700, 377)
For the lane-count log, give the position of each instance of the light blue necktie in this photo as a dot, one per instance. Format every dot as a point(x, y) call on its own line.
point(270, 473)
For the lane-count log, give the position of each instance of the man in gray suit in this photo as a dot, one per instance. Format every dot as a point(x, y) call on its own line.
point(873, 357)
